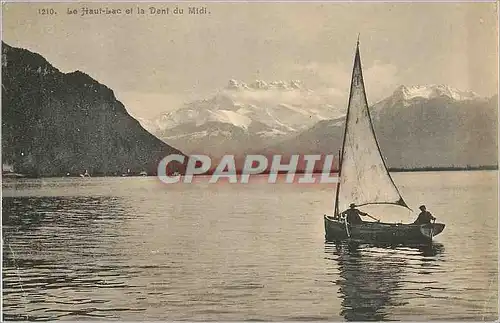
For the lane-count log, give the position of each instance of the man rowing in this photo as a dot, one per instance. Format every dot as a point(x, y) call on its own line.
point(424, 217)
point(353, 215)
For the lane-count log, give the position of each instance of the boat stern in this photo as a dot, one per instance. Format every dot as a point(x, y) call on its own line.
point(431, 230)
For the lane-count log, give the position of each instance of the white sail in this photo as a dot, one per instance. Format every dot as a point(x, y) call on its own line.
point(364, 178)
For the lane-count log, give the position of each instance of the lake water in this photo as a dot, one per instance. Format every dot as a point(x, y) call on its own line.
point(136, 249)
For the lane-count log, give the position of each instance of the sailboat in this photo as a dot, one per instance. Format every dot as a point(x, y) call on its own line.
point(365, 180)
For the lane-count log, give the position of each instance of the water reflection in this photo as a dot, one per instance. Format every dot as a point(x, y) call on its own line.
point(121, 248)
point(371, 278)
point(28, 213)
point(52, 243)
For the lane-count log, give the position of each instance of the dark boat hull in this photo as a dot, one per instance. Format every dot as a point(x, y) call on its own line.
point(385, 233)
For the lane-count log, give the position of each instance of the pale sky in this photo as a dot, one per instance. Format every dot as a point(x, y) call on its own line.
point(155, 62)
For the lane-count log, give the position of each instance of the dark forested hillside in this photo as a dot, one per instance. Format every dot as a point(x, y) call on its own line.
point(55, 123)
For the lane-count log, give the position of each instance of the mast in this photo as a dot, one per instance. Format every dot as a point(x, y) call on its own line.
point(341, 152)
point(336, 210)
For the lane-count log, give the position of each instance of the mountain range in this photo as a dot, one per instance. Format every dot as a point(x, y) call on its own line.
point(241, 117)
point(54, 124)
point(417, 131)
point(417, 126)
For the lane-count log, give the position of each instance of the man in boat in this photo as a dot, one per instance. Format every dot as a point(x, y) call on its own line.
point(353, 214)
point(424, 217)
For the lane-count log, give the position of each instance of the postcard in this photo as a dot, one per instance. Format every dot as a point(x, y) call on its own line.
point(238, 161)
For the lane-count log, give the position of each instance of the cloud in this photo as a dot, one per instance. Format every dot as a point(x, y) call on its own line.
point(325, 75)
point(380, 78)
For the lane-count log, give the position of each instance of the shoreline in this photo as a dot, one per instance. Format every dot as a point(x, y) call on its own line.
point(392, 170)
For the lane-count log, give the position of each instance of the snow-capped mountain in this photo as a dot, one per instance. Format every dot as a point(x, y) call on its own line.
point(406, 95)
point(243, 116)
point(417, 126)
point(262, 85)
point(282, 106)
point(424, 126)
point(433, 91)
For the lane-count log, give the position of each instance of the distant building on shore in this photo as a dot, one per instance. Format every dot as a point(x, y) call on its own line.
point(7, 168)
point(8, 171)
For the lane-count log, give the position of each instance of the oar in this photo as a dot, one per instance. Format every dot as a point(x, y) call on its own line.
point(347, 227)
point(432, 228)
point(373, 217)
